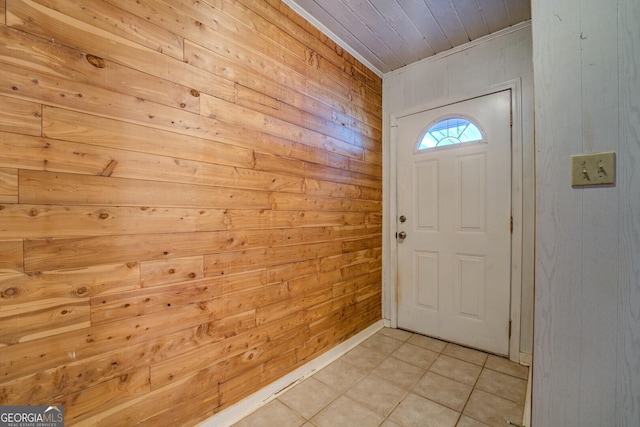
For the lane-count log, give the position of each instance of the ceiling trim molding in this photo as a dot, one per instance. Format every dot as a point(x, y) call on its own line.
point(306, 15)
point(468, 45)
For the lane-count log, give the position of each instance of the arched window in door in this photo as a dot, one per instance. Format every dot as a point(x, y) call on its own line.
point(450, 131)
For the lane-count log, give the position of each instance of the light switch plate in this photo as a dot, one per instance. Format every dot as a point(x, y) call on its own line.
point(593, 169)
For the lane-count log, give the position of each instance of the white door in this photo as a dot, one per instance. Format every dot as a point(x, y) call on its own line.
point(454, 204)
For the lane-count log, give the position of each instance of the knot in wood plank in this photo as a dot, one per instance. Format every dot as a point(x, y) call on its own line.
point(96, 61)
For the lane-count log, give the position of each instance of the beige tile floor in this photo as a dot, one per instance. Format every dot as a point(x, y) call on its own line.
point(397, 378)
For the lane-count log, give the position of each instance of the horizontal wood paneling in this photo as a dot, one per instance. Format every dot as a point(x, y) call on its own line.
point(54, 221)
point(83, 404)
point(17, 47)
point(26, 325)
point(36, 221)
point(22, 291)
point(8, 185)
point(154, 273)
point(190, 204)
point(53, 254)
point(20, 116)
point(119, 22)
point(74, 189)
point(44, 22)
point(328, 51)
point(225, 262)
point(10, 256)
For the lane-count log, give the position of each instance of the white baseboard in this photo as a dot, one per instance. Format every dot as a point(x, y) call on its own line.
point(238, 411)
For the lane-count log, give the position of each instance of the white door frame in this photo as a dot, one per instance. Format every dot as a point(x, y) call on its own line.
point(516, 206)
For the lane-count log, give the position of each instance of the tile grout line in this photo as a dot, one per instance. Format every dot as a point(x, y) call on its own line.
point(408, 391)
point(340, 394)
point(469, 397)
point(388, 356)
point(453, 353)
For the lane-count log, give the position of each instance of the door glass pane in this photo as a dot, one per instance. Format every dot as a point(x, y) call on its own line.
point(449, 131)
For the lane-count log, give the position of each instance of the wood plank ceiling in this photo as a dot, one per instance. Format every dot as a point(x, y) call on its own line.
point(389, 34)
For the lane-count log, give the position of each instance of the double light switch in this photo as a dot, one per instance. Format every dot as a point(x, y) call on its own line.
point(593, 169)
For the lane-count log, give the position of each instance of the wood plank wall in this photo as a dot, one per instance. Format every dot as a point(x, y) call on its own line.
point(190, 204)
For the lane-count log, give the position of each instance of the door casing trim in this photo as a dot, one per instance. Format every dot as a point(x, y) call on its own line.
point(515, 87)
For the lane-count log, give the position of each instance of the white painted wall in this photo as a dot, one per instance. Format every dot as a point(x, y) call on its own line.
point(462, 73)
point(586, 367)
